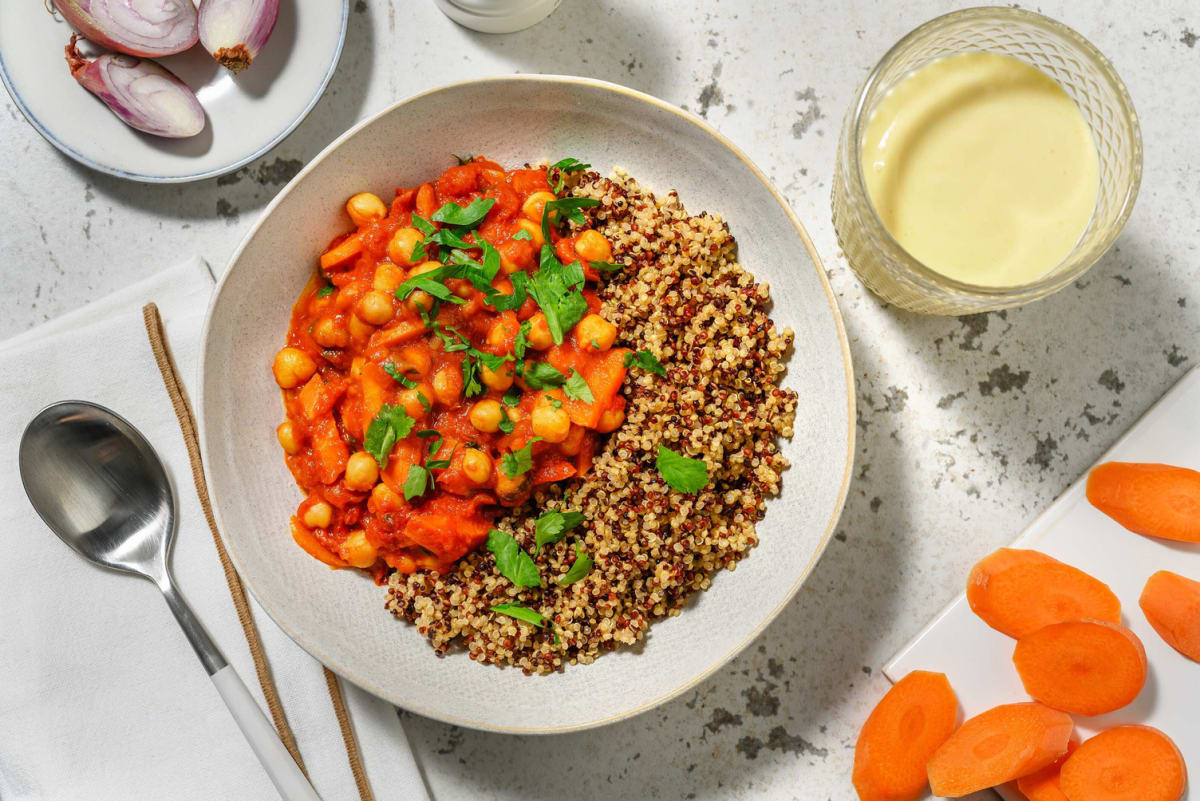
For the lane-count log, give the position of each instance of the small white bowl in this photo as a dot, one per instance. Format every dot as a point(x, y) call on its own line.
point(339, 616)
point(248, 114)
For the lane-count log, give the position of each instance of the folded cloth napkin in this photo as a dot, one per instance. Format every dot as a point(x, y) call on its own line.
point(100, 695)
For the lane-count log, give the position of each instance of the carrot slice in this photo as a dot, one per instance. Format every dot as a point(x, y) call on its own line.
point(997, 746)
point(1043, 785)
point(1125, 763)
point(341, 253)
point(306, 540)
point(1018, 591)
point(1155, 500)
point(1085, 667)
point(1171, 604)
point(905, 728)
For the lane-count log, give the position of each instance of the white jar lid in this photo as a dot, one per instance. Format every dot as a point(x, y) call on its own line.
point(497, 16)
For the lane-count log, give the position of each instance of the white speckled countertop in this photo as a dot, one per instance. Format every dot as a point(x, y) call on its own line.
point(967, 426)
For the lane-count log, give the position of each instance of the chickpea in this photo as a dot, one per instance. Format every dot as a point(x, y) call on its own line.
point(357, 550)
point(413, 361)
point(595, 329)
point(361, 472)
point(387, 278)
point(375, 308)
point(486, 415)
point(286, 433)
point(424, 267)
point(510, 489)
point(358, 329)
point(477, 465)
point(535, 205)
point(535, 232)
point(402, 244)
point(574, 441)
point(385, 499)
point(610, 420)
point(292, 367)
point(592, 245)
point(464, 289)
point(539, 332)
point(500, 379)
point(416, 401)
point(365, 207)
point(419, 299)
point(447, 384)
point(549, 423)
point(319, 515)
point(330, 333)
point(502, 332)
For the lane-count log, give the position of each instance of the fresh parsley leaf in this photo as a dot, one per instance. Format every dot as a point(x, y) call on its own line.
point(645, 360)
point(471, 215)
point(506, 425)
point(451, 345)
point(521, 613)
point(440, 464)
point(565, 166)
point(567, 207)
point(553, 526)
point(523, 234)
point(423, 225)
point(417, 482)
point(680, 472)
point(519, 461)
point(555, 402)
point(435, 437)
point(436, 275)
point(501, 302)
point(596, 345)
point(326, 291)
point(540, 375)
point(577, 387)
point(392, 370)
point(512, 397)
point(556, 288)
point(439, 291)
point(424, 401)
point(521, 342)
point(470, 376)
point(512, 562)
point(419, 253)
point(448, 238)
point(390, 425)
point(606, 266)
point(579, 569)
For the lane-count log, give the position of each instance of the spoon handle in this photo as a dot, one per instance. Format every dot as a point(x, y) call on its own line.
point(283, 771)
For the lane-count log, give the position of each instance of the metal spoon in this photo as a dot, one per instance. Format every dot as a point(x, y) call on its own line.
point(99, 485)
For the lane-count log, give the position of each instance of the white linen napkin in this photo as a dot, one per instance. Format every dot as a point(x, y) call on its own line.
point(100, 695)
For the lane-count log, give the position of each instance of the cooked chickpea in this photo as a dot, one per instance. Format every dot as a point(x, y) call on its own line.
point(385, 498)
point(319, 515)
point(510, 489)
point(358, 329)
point(535, 232)
point(539, 332)
point(375, 307)
point(447, 384)
point(592, 245)
point(486, 415)
point(610, 420)
point(535, 205)
point(330, 333)
point(387, 278)
point(477, 465)
point(413, 362)
point(549, 423)
point(357, 550)
point(424, 267)
point(402, 244)
point(500, 379)
point(501, 333)
point(361, 472)
point(365, 207)
point(464, 289)
point(286, 433)
point(574, 441)
point(419, 299)
point(593, 331)
point(416, 401)
point(292, 367)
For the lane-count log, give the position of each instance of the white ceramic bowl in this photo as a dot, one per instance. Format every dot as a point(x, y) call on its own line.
point(248, 114)
point(339, 616)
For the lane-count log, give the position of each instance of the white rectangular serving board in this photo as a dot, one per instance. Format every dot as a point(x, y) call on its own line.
point(978, 659)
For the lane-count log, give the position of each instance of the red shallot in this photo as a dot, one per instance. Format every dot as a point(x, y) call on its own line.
point(147, 28)
point(234, 31)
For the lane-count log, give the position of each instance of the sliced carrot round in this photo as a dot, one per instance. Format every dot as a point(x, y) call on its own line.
point(902, 732)
point(1043, 785)
point(1171, 604)
point(998, 746)
point(1126, 763)
point(1155, 500)
point(1085, 667)
point(1017, 592)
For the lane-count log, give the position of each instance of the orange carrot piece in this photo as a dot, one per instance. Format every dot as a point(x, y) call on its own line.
point(1043, 785)
point(1085, 667)
point(1155, 500)
point(1125, 763)
point(305, 539)
point(342, 252)
point(997, 746)
point(1171, 604)
point(905, 728)
point(1018, 591)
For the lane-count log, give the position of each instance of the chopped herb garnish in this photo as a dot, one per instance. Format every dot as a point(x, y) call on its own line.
point(540, 375)
point(437, 275)
point(417, 483)
point(436, 437)
point(606, 266)
point(423, 225)
point(645, 360)
point(512, 562)
point(501, 302)
point(439, 291)
point(391, 424)
point(568, 207)
point(523, 234)
point(506, 425)
point(472, 214)
point(555, 402)
point(326, 291)
point(521, 613)
point(441, 464)
point(512, 396)
point(519, 461)
point(392, 370)
point(424, 401)
point(596, 345)
point(556, 288)
point(448, 238)
point(680, 472)
point(470, 376)
point(580, 568)
point(577, 387)
point(450, 345)
point(565, 166)
point(521, 342)
point(553, 526)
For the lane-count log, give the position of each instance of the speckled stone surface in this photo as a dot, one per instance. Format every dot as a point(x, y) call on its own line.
point(967, 426)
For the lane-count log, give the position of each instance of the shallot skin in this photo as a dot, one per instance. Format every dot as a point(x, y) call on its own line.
point(143, 94)
point(145, 28)
point(235, 31)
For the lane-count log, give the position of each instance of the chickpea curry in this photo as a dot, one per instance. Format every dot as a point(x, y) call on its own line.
point(446, 358)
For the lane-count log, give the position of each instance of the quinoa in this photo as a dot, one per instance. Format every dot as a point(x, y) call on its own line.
point(681, 295)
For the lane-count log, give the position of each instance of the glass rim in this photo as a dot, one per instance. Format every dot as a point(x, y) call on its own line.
point(1051, 282)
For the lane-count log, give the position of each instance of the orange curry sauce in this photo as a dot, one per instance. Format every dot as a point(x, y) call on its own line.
point(348, 324)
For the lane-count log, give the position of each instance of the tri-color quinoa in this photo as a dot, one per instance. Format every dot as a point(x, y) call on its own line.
point(683, 296)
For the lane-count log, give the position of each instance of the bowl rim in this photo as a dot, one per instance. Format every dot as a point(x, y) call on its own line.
point(721, 659)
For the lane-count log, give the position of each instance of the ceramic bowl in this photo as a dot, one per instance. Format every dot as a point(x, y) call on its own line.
point(248, 114)
point(339, 616)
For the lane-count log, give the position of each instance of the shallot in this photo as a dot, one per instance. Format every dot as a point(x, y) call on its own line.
point(147, 28)
point(234, 31)
point(143, 94)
